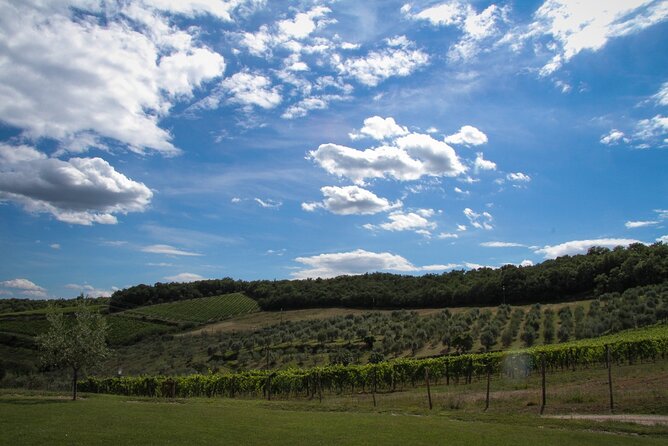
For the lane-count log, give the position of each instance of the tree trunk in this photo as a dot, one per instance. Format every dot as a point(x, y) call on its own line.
point(75, 376)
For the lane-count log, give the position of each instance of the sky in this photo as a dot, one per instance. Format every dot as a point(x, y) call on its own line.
point(146, 141)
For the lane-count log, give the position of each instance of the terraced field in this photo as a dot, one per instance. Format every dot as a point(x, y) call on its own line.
point(199, 311)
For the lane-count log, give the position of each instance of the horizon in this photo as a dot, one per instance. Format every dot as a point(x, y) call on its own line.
point(145, 142)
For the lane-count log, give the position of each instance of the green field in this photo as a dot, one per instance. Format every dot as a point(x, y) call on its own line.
point(126, 330)
point(31, 419)
point(199, 311)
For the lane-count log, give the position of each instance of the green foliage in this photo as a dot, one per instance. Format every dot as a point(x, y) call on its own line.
point(202, 310)
point(598, 272)
point(627, 346)
point(128, 330)
point(74, 344)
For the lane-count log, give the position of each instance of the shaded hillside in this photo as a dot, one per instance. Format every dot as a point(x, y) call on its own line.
point(599, 271)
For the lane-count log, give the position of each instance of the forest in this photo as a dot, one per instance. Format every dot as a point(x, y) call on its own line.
point(599, 271)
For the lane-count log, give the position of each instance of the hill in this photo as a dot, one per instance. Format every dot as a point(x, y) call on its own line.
point(599, 271)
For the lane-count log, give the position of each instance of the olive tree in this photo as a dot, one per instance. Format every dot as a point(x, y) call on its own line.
point(74, 343)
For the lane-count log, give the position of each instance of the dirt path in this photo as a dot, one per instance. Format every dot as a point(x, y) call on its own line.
point(647, 420)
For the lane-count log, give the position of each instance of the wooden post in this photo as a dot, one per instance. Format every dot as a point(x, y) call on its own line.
point(373, 393)
point(319, 388)
point(489, 376)
point(268, 388)
point(426, 378)
point(607, 359)
point(542, 371)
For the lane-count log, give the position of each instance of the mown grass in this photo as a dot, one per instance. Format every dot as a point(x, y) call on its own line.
point(32, 419)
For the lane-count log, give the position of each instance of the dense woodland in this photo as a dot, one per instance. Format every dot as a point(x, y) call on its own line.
point(599, 271)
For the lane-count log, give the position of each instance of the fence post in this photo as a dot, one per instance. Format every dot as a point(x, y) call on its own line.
point(426, 378)
point(607, 359)
point(373, 393)
point(489, 373)
point(542, 371)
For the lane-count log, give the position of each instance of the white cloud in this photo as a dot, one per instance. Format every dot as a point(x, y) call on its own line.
point(467, 135)
point(89, 290)
point(614, 137)
point(268, 203)
point(23, 288)
point(377, 66)
point(358, 165)
point(582, 246)
point(380, 129)
point(526, 263)
point(417, 221)
point(64, 74)
point(351, 200)
point(54, 246)
point(483, 164)
point(518, 177)
point(639, 224)
point(358, 262)
point(302, 107)
point(461, 228)
point(78, 191)
point(302, 25)
point(480, 221)
point(653, 130)
point(476, 28)
point(446, 235)
point(661, 97)
point(184, 277)
point(575, 26)
point(251, 89)
point(663, 239)
point(502, 245)
point(168, 250)
point(438, 158)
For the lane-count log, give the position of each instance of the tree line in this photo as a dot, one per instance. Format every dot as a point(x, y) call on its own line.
point(600, 271)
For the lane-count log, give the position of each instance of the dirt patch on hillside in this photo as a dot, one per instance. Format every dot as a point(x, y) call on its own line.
point(647, 420)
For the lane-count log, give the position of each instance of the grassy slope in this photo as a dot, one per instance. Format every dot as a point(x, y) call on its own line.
point(202, 310)
point(103, 420)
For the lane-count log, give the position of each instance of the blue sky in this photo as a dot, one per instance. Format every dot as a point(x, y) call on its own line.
point(164, 140)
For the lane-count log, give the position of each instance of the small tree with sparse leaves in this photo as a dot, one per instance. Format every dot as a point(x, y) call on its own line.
point(74, 344)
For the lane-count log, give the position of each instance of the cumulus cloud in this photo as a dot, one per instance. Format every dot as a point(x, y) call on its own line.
point(417, 221)
point(184, 277)
point(351, 200)
point(78, 191)
point(64, 73)
point(582, 246)
point(89, 290)
point(438, 158)
point(652, 131)
point(358, 262)
point(168, 250)
point(477, 28)
point(305, 105)
point(467, 135)
point(251, 89)
point(576, 26)
point(639, 224)
point(526, 263)
point(377, 66)
point(483, 164)
point(663, 239)
point(480, 221)
point(518, 177)
point(614, 137)
point(23, 288)
point(380, 129)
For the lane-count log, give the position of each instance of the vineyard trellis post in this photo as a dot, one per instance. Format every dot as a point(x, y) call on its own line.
point(607, 358)
point(542, 372)
point(373, 393)
point(489, 375)
point(426, 378)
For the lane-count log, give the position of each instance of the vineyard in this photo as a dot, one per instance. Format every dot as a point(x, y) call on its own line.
point(628, 347)
point(201, 310)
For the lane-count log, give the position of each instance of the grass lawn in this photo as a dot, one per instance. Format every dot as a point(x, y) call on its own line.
point(34, 419)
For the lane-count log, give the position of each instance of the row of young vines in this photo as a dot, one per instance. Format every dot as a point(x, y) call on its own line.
point(627, 347)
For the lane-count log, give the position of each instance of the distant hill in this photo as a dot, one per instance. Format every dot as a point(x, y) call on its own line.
point(599, 271)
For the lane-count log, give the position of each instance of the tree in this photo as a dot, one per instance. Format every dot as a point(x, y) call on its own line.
point(75, 344)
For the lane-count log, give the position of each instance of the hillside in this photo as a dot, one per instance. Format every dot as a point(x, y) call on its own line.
point(599, 271)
